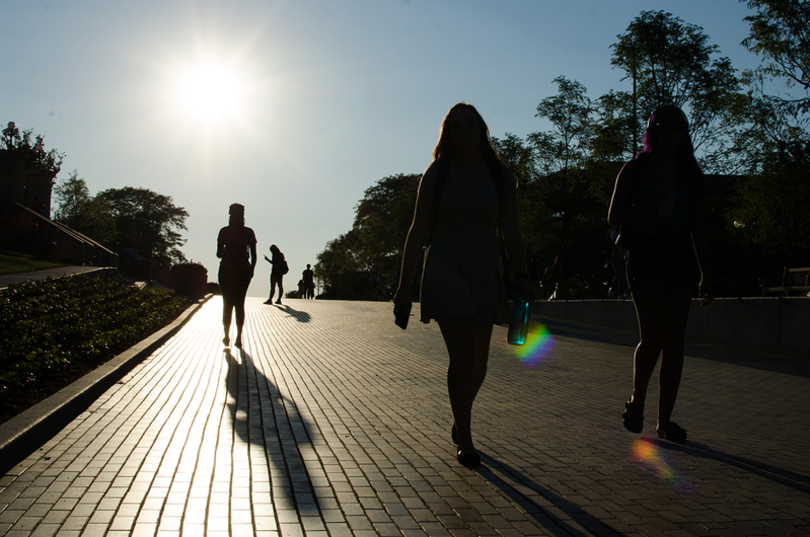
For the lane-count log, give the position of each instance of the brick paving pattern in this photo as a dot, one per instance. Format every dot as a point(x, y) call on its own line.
point(332, 421)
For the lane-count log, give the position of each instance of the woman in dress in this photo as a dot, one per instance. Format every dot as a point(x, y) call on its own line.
point(236, 247)
point(462, 280)
point(660, 194)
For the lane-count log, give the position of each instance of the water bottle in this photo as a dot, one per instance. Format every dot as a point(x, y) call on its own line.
point(519, 325)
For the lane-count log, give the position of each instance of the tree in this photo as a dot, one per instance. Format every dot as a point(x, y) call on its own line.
point(88, 215)
point(36, 158)
point(772, 208)
point(770, 211)
point(565, 146)
point(373, 247)
point(148, 223)
point(780, 33)
point(671, 62)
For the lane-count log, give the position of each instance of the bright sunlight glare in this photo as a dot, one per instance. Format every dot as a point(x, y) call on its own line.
point(210, 93)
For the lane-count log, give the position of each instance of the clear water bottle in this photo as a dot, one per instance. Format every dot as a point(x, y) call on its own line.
point(519, 325)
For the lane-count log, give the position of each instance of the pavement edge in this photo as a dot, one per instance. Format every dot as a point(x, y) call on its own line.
point(28, 431)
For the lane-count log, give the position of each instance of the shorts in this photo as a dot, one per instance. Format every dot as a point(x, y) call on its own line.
point(667, 260)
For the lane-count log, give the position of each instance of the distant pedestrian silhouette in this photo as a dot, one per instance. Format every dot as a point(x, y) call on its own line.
point(461, 195)
point(308, 276)
point(659, 197)
point(277, 273)
point(236, 247)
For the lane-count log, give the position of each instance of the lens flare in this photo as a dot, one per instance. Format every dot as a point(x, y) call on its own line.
point(653, 459)
point(538, 344)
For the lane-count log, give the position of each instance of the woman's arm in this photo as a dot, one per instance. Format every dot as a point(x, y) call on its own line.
point(418, 235)
point(510, 227)
point(252, 249)
point(621, 204)
point(702, 251)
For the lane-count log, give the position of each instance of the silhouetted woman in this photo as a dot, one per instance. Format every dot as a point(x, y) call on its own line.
point(659, 195)
point(277, 273)
point(236, 247)
point(462, 281)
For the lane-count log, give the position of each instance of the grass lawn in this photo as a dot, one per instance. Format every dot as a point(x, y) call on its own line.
point(14, 263)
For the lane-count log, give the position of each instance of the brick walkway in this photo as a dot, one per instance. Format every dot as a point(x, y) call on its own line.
point(332, 421)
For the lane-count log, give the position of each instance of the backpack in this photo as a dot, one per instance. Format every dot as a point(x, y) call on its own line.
point(284, 267)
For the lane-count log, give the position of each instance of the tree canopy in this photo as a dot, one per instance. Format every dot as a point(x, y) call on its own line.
point(567, 172)
point(373, 247)
point(137, 218)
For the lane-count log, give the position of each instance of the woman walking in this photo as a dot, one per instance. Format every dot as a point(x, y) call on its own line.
point(659, 196)
point(462, 194)
point(236, 247)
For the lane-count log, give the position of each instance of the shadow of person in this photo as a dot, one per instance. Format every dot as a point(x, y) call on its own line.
point(300, 316)
point(786, 478)
point(261, 416)
point(514, 484)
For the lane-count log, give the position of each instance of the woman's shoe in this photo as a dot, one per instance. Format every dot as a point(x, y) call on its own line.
point(469, 459)
point(633, 417)
point(226, 341)
point(238, 342)
point(671, 431)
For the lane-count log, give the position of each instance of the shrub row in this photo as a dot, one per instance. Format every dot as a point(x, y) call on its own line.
point(58, 327)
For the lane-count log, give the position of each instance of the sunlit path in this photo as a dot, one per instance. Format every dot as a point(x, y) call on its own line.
point(333, 421)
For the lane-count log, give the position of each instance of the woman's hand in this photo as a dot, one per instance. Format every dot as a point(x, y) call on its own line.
point(401, 298)
point(706, 293)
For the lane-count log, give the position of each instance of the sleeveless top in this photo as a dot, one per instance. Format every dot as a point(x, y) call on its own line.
point(235, 241)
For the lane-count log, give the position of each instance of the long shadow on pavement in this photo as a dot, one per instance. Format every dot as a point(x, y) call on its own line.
point(797, 482)
point(262, 416)
point(300, 316)
point(548, 520)
point(627, 338)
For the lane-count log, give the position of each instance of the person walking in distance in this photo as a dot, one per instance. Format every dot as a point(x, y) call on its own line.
point(236, 247)
point(277, 272)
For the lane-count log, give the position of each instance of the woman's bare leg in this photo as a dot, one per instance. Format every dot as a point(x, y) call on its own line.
point(677, 312)
point(650, 302)
point(468, 347)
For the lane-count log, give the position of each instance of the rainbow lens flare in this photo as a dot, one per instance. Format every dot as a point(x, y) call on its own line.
point(538, 344)
point(653, 459)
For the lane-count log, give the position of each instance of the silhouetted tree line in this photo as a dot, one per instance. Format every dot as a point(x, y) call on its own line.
point(753, 146)
point(125, 219)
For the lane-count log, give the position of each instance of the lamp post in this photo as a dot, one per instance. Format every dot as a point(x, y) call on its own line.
point(10, 134)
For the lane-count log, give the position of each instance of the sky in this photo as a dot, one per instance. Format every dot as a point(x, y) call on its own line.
point(295, 108)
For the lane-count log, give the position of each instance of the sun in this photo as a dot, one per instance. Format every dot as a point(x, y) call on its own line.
point(209, 92)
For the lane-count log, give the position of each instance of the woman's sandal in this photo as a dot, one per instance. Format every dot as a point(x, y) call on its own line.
point(633, 417)
point(469, 459)
point(671, 431)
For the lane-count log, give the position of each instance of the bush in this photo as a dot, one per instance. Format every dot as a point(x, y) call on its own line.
point(65, 327)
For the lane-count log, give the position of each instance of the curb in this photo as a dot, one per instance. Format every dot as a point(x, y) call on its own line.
point(26, 432)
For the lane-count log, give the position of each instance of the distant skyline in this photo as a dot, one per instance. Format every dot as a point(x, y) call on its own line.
point(294, 109)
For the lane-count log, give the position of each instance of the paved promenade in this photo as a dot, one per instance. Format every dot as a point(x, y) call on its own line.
point(331, 421)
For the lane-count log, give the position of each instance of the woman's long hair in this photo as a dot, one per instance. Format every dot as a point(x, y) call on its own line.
point(685, 160)
point(444, 148)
